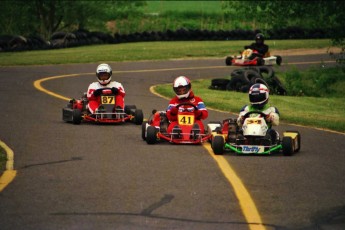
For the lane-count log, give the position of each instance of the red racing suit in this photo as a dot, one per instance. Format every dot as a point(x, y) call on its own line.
point(200, 114)
point(95, 101)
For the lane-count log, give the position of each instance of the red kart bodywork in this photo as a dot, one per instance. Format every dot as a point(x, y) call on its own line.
point(252, 58)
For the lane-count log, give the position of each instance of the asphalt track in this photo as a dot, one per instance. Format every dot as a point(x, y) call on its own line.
point(105, 177)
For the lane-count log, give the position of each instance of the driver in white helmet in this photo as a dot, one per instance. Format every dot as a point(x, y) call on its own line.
point(258, 97)
point(103, 73)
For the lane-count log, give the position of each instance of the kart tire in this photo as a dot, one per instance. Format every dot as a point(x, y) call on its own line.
point(76, 116)
point(267, 70)
point(249, 74)
point(151, 135)
point(260, 80)
point(228, 60)
point(138, 117)
point(218, 145)
point(129, 109)
point(219, 83)
point(237, 82)
point(287, 144)
point(260, 61)
point(143, 130)
point(279, 60)
point(298, 140)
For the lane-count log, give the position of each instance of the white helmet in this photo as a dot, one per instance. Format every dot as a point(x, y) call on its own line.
point(182, 87)
point(104, 68)
point(258, 95)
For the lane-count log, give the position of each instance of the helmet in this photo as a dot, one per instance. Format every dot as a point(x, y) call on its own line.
point(101, 69)
point(258, 95)
point(259, 38)
point(182, 87)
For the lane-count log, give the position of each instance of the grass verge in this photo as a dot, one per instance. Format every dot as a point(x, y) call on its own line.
point(324, 113)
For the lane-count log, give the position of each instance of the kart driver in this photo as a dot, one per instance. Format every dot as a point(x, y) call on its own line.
point(258, 97)
point(103, 73)
point(184, 94)
point(259, 45)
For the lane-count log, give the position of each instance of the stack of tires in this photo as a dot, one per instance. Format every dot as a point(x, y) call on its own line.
point(242, 79)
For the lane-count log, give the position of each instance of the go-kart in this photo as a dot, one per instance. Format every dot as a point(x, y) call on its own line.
point(251, 57)
point(76, 111)
point(187, 132)
point(253, 138)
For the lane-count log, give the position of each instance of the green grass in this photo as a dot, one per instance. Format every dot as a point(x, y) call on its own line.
point(182, 6)
point(326, 113)
point(145, 51)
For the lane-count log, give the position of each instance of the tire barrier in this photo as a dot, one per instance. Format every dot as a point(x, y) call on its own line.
point(242, 79)
point(84, 37)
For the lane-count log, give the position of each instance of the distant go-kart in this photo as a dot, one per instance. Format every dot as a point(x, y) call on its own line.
point(76, 111)
point(250, 57)
point(253, 139)
point(187, 134)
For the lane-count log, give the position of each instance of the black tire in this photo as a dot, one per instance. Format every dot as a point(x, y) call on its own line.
point(260, 80)
point(218, 145)
point(129, 109)
point(298, 139)
point(228, 61)
point(269, 72)
point(279, 60)
point(138, 117)
point(249, 74)
point(287, 146)
point(143, 130)
point(76, 116)
point(237, 82)
point(151, 135)
point(219, 83)
point(260, 61)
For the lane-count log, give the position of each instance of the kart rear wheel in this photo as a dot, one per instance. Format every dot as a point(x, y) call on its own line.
point(218, 145)
point(151, 135)
point(287, 144)
point(228, 60)
point(76, 116)
point(138, 117)
point(129, 109)
point(143, 130)
point(260, 61)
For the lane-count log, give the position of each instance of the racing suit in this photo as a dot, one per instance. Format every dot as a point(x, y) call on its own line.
point(261, 48)
point(95, 101)
point(272, 118)
point(200, 113)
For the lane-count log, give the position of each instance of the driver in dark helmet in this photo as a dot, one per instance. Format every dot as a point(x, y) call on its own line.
point(259, 45)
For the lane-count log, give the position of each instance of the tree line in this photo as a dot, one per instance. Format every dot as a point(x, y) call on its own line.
point(44, 18)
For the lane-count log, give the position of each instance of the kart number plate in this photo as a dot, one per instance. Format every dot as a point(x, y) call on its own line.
point(108, 100)
point(252, 149)
point(185, 119)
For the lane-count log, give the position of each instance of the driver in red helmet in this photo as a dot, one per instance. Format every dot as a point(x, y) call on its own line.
point(103, 73)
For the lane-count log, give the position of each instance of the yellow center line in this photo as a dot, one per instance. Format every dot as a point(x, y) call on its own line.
point(247, 204)
point(9, 174)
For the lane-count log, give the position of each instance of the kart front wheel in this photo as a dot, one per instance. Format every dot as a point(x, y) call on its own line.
point(143, 130)
point(138, 117)
point(151, 135)
point(218, 145)
point(279, 60)
point(228, 60)
point(287, 144)
point(76, 116)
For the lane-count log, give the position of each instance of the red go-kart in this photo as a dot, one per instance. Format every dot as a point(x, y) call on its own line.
point(187, 132)
point(76, 111)
point(251, 57)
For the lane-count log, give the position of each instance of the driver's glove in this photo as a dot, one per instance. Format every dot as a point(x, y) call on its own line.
point(198, 114)
point(97, 92)
point(173, 111)
point(115, 90)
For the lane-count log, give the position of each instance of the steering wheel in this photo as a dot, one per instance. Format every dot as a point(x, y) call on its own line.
point(188, 104)
point(245, 116)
